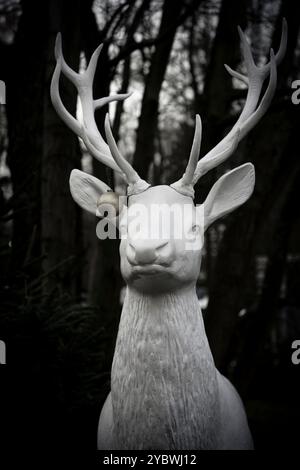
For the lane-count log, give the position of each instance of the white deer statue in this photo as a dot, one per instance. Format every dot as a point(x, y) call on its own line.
point(166, 392)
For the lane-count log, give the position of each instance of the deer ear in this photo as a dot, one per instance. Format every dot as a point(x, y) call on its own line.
point(229, 192)
point(86, 190)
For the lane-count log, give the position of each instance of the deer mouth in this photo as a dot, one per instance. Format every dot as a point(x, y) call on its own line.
point(149, 270)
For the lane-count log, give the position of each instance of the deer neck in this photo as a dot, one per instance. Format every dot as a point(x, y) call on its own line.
point(164, 385)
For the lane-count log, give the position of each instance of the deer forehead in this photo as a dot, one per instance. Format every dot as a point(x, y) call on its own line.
point(161, 194)
point(160, 207)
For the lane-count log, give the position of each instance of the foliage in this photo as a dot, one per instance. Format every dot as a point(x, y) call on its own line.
point(56, 357)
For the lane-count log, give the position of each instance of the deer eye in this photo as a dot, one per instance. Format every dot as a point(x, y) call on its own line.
point(108, 205)
point(196, 229)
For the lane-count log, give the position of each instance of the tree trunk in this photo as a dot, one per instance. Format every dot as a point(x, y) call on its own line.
point(42, 151)
point(120, 104)
point(144, 150)
point(24, 108)
point(60, 222)
point(269, 302)
point(217, 95)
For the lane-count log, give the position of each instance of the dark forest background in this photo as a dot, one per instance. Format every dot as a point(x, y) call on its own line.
point(60, 287)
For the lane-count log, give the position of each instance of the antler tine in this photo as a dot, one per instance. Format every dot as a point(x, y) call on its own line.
point(264, 69)
point(185, 184)
point(66, 69)
point(132, 177)
point(266, 100)
point(246, 49)
point(107, 99)
point(236, 74)
point(194, 155)
point(84, 84)
point(63, 113)
point(92, 66)
point(282, 47)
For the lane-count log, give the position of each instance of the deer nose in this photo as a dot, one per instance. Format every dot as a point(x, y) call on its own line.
point(144, 251)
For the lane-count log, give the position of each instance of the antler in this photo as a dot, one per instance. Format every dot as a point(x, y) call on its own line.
point(89, 132)
point(250, 114)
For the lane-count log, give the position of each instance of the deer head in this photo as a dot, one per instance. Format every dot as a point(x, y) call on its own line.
point(158, 263)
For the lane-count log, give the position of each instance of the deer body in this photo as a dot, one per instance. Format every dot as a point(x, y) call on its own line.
point(164, 386)
point(165, 390)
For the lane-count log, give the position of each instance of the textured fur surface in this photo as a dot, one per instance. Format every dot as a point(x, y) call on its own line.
point(164, 387)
